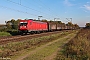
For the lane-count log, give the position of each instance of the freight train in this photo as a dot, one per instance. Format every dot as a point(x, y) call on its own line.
point(31, 26)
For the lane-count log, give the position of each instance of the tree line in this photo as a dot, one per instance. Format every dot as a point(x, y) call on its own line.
point(13, 24)
point(87, 25)
point(10, 25)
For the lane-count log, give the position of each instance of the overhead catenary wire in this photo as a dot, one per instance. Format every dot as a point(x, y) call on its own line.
point(45, 8)
point(48, 8)
point(17, 10)
point(26, 7)
point(22, 5)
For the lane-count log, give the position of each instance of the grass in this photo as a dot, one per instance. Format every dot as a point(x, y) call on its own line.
point(5, 34)
point(11, 48)
point(48, 50)
point(76, 49)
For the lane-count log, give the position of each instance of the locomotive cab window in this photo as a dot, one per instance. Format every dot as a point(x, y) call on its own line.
point(23, 24)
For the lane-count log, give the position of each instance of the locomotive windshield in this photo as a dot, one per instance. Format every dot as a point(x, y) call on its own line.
point(23, 24)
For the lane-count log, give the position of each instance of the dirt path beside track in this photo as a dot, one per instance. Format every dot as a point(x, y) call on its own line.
point(39, 55)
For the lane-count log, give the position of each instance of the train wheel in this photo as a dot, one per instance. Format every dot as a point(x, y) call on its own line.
point(38, 32)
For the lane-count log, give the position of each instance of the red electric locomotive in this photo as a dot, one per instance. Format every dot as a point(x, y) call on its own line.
point(29, 26)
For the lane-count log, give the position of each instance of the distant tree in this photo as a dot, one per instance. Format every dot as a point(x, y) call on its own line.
point(87, 25)
point(12, 24)
point(9, 25)
point(76, 26)
point(59, 21)
point(69, 24)
point(50, 21)
point(16, 23)
point(44, 20)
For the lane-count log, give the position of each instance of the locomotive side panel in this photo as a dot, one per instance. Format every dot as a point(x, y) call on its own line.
point(27, 26)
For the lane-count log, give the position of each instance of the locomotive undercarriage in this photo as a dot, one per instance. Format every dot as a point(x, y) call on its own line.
point(32, 31)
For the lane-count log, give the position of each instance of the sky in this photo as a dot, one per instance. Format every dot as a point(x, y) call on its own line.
point(62, 10)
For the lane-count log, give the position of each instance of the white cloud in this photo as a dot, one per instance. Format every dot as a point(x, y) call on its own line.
point(85, 11)
point(88, 2)
point(66, 2)
point(87, 7)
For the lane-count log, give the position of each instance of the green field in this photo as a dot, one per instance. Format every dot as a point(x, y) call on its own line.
point(5, 34)
point(36, 48)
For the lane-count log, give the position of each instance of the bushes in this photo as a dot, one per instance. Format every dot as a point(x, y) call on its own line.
point(5, 34)
point(9, 33)
point(13, 32)
point(76, 49)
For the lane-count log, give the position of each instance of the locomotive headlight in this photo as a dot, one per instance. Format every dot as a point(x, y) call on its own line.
point(25, 26)
point(20, 26)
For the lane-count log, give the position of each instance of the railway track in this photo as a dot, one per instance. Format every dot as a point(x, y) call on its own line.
point(5, 40)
